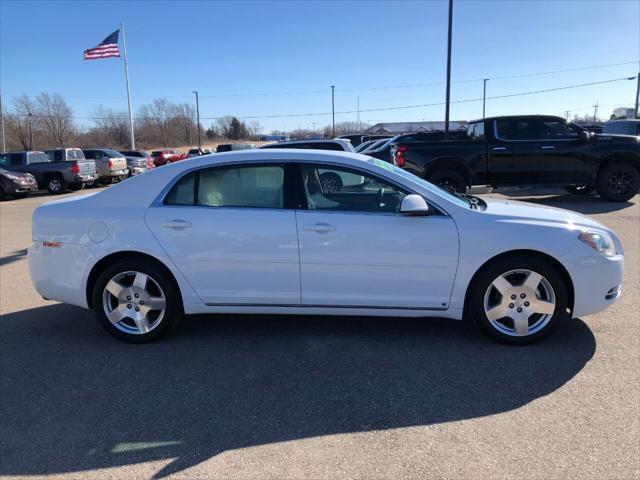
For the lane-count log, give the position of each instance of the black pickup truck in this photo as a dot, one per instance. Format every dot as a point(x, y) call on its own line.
point(528, 150)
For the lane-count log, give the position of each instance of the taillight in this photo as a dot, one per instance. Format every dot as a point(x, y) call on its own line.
point(150, 163)
point(75, 168)
point(110, 164)
point(399, 159)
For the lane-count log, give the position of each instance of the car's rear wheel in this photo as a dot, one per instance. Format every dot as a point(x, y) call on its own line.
point(74, 187)
point(136, 301)
point(518, 300)
point(449, 180)
point(579, 190)
point(618, 182)
point(56, 184)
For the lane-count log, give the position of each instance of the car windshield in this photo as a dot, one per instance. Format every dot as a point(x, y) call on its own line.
point(455, 198)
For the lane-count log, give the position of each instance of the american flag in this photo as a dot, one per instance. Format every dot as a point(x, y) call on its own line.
point(107, 48)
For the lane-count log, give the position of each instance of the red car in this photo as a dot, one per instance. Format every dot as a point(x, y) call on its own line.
point(170, 155)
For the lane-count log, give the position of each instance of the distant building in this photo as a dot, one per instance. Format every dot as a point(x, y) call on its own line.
point(397, 128)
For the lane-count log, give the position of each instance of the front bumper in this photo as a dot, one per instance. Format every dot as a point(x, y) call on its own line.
point(597, 280)
point(20, 188)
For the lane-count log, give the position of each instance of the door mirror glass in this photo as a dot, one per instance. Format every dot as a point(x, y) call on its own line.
point(414, 205)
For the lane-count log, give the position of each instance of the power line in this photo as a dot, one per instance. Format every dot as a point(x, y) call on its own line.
point(379, 109)
point(358, 89)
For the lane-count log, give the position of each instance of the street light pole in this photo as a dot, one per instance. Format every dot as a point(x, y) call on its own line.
point(446, 110)
point(4, 146)
point(484, 96)
point(30, 131)
point(333, 111)
point(637, 113)
point(198, 114)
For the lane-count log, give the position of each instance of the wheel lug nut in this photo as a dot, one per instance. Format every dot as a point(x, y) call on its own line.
point(522, 295)
point(142, 302)
point(137, 309)
point(519, 310)
point(511, 305)
point(136, 295)
point(129, 306)
point(513, 297)
point(526, 304)
point(128, 297)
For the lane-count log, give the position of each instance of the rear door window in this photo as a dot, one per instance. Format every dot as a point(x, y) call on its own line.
point(16, 159)
point(516, 129)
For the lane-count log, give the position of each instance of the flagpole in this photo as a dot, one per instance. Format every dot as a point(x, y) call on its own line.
point(126, 74)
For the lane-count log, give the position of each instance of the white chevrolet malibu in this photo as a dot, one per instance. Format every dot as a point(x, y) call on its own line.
point(255, 232)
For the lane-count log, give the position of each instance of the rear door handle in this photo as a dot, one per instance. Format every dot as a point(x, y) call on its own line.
point(320, 228)
point(499, 149)
point(547, 147)
point(177, 224)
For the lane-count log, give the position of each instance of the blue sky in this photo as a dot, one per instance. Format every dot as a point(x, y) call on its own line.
point(232, 51)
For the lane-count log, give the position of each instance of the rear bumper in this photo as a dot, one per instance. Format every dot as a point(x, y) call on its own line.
point(87, 177)
point(60, 273)
point(137, 170)
point(597, 280)
point(119, 173)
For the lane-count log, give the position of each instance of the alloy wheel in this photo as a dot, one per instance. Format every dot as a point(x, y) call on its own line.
point(55, 185)
point(620, 182)
point(134, 302)
point(519, 303)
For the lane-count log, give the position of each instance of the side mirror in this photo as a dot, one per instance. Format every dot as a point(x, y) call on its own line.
point(585, 136)
point(414, 205)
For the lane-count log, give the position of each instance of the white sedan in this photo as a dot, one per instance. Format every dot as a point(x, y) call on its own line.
point(254, 232)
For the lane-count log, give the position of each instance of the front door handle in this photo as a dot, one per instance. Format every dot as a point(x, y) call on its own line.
point(499, 149)
point(320, 228)
point(547, 147)
point(177, 224)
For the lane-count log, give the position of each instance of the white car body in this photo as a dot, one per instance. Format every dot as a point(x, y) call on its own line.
point(262, 260)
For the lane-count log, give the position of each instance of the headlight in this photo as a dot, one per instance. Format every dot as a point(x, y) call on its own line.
point(601, 242)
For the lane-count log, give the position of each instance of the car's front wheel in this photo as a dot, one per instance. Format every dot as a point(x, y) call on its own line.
point(449, 180)
point(136, 301)
point(518, 299)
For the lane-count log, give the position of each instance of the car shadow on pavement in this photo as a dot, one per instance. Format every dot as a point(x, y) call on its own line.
point(13, 257)
point(75, 399)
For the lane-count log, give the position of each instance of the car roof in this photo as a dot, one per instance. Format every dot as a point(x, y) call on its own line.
point(504, 117)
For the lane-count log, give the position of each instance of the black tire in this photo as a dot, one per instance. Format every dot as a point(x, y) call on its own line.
point(2, 195)
point(480, 292)
point(331, 182)
point(449, 180)
point(55, 184)
point(173, 304)
point(74, 187)
point(618, 182)
point(579, 190)
point(106, 181)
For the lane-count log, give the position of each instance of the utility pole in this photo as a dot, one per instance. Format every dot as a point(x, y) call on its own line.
point(29, 115)
point(637, 112)
point(358, 117)
point(595, 113)
point(333, 111)
point(198, 114)
point(484, 95)
point(566, 114)
point(4, 146)
point(446, 110)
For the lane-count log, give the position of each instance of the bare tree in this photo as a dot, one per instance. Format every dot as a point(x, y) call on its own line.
point(158, 113)
point(19, 126)
point(112, 125)
point(183, 116)
point(55, 118)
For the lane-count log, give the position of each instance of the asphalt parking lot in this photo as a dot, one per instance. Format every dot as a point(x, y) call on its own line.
point(317, 397)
